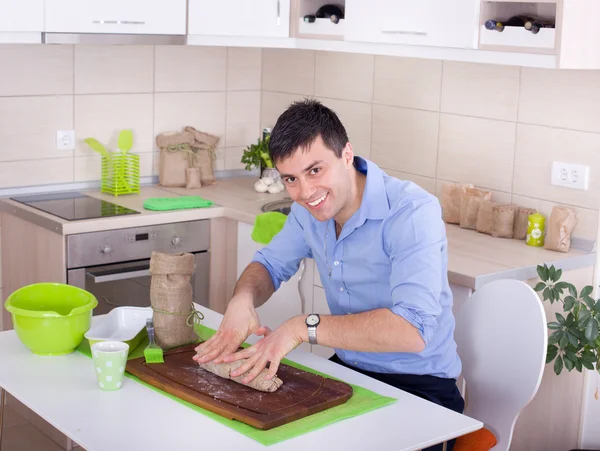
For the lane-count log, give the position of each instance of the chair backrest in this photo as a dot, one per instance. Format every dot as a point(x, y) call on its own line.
point(501, 334)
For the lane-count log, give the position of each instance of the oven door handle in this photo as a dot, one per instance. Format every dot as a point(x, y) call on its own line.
point(119, 276)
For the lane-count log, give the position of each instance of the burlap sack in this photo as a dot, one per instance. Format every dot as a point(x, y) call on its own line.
point(176, 155)
point(504, 220)
point(470, 200)
point(204, 147)
point(559, 227)
point(450, 201)
point(192, 178)
point(521, 219)
point(171, 297)
point(485, 217)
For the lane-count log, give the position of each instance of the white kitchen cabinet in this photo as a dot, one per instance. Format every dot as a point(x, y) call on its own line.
point(144, 17)
point(425, 22)
point(256, 18)
point(21, 16)
point(22, 21)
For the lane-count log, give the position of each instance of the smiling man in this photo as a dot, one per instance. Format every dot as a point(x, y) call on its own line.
point(381, 250)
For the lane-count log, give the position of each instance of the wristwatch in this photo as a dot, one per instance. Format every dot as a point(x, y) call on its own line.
point(312, 321)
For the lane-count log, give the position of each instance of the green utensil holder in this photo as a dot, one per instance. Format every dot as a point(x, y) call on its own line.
point(120, 174)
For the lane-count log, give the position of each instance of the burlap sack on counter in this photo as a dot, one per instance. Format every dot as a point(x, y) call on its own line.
point(451, 195)
point(504, 220)
point(192, 178)
point(521, 219)
point(485, 217)
point(171, 297)
point(175, 157)
point(559, 227)
point(470, 200)
point(204, 147)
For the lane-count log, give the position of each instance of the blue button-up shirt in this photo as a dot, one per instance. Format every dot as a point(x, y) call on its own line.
point(392, 253)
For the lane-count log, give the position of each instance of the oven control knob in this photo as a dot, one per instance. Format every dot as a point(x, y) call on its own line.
point(176, 241)
point(106, 249)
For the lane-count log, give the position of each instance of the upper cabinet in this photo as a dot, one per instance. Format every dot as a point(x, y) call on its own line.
point(21, 16)
point(440, 23)
point(140, 17)
point(21, 21)
point(248, 18)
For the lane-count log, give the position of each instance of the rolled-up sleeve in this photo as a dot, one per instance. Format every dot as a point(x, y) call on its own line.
point(282, 256)
point(416, 242)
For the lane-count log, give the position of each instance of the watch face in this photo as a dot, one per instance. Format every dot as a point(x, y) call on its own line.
point(312, 320)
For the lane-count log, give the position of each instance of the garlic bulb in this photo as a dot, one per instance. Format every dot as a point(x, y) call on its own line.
point(260, 186)
point(268, 180)
point(275, 188)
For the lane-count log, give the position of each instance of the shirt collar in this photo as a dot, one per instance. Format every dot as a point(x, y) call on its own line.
point(374, 204)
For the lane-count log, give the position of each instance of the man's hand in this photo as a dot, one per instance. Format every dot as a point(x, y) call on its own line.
point(271, 349)
point(240, 321)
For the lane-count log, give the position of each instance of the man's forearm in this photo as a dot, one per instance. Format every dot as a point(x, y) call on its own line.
point(374, 331)
point(256, 282)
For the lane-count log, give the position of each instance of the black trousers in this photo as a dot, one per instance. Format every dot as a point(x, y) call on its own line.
point(435, 389)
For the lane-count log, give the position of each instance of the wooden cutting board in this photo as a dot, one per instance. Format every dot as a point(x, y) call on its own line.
point(301, 394)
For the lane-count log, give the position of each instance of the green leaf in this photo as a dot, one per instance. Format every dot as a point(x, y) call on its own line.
point(551, 353)
point(558, 365)
point(588, 365)
point(572, 290)
point(572, 339)
point(570, 319)
point(561, 319)
point(589, 302)
point(555, 294)
point(554, 326)
point(588, 356)
point(543, 272)
point(579, 365)
point(555, 337)
point(569, 364)
point(571, 354)
point(546, 294)
point(552, 273)
point(569, 303)
point(586, 291)
point(558, 274)
point(597, 306)
point(540, 286)
point(584, 317)
point(564, 341)
point(591, 330)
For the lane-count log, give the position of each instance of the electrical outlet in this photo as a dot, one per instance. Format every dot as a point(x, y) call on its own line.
point(570, 175)
point(65, 140)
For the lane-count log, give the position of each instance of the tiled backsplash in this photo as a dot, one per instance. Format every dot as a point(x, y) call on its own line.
point(99, 90)
point(433, 121)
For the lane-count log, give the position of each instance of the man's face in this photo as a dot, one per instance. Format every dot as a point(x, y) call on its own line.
point(318, 180)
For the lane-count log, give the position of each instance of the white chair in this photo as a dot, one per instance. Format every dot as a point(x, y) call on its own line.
point(501, 334)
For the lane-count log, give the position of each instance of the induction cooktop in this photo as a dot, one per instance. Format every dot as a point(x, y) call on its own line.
point(74, 206)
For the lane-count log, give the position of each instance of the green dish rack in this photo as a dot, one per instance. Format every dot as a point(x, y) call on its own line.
point(120, 174)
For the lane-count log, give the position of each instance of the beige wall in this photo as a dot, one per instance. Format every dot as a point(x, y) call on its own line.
point(433, 121)
point(98, 90)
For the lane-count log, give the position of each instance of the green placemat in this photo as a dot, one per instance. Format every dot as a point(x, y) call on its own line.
point(362, 401)
point(176, 203)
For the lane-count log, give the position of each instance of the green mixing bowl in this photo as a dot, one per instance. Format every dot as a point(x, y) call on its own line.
point(51, 318)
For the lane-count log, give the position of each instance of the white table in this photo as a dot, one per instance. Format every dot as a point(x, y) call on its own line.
point(63, 391)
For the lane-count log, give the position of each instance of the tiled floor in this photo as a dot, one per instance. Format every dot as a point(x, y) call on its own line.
point(19, 435)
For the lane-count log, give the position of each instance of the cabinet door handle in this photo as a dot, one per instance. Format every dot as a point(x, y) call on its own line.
point(119, 22)
point(278, 12)
point(416, 33)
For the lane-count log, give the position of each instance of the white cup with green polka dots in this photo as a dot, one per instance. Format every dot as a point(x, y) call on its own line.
point(110, 358)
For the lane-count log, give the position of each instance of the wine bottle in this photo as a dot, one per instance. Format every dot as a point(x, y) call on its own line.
point(514, 21)
point(534, 25)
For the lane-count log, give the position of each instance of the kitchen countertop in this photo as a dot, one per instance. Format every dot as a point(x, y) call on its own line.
point(138, 418)
point(473, 258)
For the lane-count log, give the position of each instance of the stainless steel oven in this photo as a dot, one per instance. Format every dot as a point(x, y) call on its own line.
point(114, 264)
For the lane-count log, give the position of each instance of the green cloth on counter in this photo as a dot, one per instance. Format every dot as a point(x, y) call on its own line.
point(362, 401)
point(176, 203)
point(267, 225)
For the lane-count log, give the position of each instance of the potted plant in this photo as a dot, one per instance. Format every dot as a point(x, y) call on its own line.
point(257, 156)
point(575, 341)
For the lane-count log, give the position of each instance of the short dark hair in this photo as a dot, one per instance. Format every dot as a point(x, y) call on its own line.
point(301, 124)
